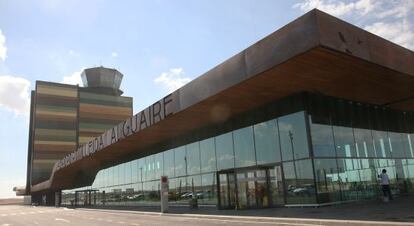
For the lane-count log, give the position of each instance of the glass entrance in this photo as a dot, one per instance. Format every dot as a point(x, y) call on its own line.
point(227, 188)
point(251, 188)
point(277, 192)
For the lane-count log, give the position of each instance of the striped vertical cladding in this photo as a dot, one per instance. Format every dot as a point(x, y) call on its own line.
point(67, 116)
point(55, 125)
point(100, 112)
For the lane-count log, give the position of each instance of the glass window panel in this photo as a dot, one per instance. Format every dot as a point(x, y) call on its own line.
point(182, 190)
point(276, 185)
point(381, 142)
point(193, 158)
point(209, 195)
point(305, 183)
point(322, 140)
point(110, 177)
point(363, 143)
point(410, 138)
point(350, 179)
point(141, 169)
point(208, 155)
point(169, 163)
point(122, 173)
point(244, 147)
point(266, 137)
point(224, 150)
point(180, 161)
point(128, 173)
point(149, 168)
point(344, 141)
point(293, 136)
point(134, 170)
point(290, 182)
point(116, 175)
point(399, 147)
point(158, 165)
point(327, 180)
point(194, 187)
point(172, 190)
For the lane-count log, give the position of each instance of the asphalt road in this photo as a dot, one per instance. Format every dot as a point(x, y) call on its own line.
point(50, 216)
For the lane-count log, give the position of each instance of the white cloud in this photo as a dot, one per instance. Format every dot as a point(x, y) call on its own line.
point(399, 32)
point(173, 79)
point(15, 94)
point(337, 8)
point(74, 78)
point(392, 20)
point(3, 48)
point(114, 54)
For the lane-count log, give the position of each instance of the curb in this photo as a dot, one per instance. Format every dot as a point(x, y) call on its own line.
point(280, 220)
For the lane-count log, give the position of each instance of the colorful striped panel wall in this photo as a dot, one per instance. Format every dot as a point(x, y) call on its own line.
point(100, 112)
point(55, 126)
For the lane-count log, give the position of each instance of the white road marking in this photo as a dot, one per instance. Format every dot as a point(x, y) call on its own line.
point(135, 224)
point(61, 219)
point(5, 224)
point(120, 222)
point(4, 215)
point(246, 221)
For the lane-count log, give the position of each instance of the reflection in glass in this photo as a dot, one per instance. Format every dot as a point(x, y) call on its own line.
point(363, 143)
point(209, 189)
point(305, 183)
point(266, 137)
point(381, 142)
point(208, 155)
point(344, 141)
point(276, 185)
point(158, 165)
point(244, 147)
point(193, 158)
point(169, 163)
point(293, 136)
point(322, 140)
point(224, 149)
point(327, 180)
point(180, 161)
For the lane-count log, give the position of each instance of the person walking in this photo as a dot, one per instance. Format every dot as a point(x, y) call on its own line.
point(385, 184)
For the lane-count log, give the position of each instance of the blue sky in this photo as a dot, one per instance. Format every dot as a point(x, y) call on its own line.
point(158, 45)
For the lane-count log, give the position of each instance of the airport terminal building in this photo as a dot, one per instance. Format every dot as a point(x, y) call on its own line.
point(307, 116)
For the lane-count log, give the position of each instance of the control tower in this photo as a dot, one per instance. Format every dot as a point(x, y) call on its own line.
point(102, 80)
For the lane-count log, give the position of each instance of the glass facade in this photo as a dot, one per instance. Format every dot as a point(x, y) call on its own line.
point(330, 151)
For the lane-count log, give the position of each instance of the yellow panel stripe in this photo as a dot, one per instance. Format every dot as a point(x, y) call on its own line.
point(69, 143)
point(55, 132)
point(43, 112)
point(57, 91)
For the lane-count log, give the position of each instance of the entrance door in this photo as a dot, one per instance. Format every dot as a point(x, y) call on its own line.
point(227, 188)
point(252, 189)
point(248, 188)
point(277, 192)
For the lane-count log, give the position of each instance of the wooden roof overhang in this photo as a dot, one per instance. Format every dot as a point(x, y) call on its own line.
point(316, 53)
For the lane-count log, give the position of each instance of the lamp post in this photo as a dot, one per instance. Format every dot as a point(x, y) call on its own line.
point(290, 134)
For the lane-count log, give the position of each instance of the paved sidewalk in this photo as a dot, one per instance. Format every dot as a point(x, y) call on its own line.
point(399, 210)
